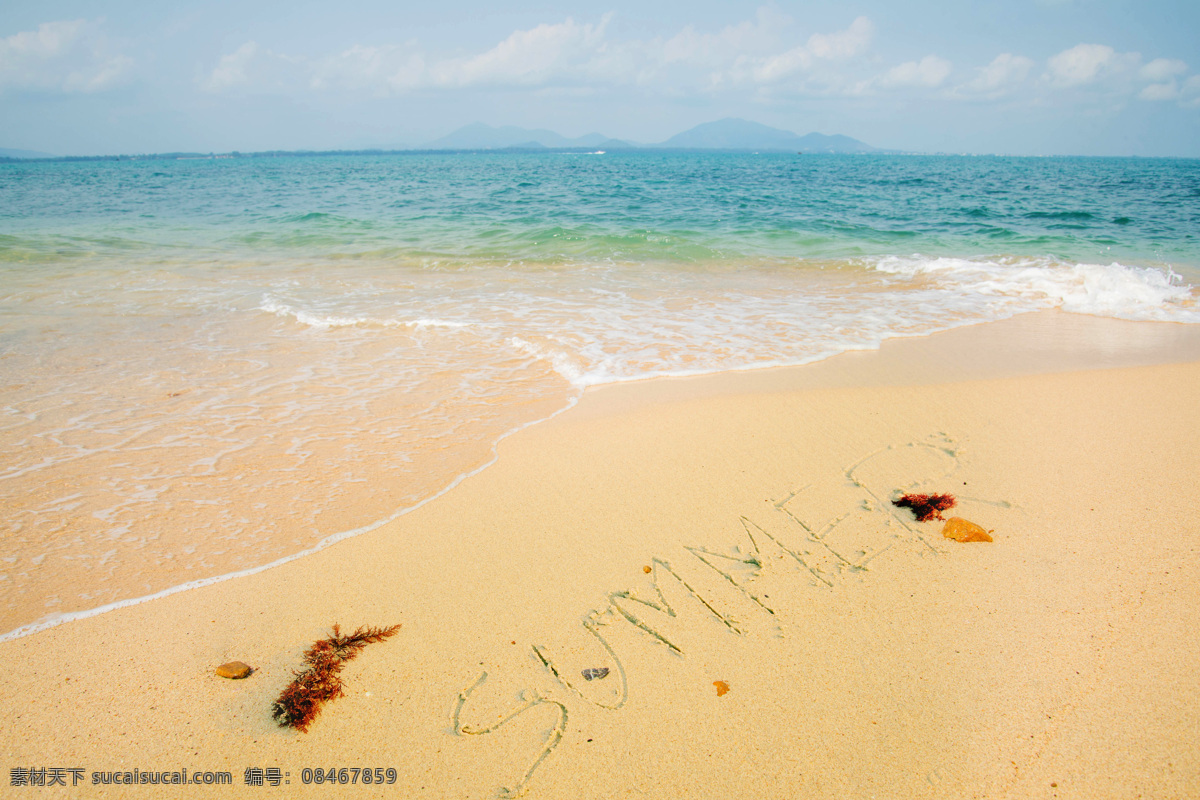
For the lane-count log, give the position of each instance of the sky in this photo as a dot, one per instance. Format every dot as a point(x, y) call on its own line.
point(1022, 77)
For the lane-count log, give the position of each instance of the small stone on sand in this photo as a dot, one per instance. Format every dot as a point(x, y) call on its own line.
point(961, 530)
point(235, 670)
point(646, 570)
point(722, 687)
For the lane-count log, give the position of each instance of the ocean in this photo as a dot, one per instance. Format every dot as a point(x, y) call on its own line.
point(209, 366)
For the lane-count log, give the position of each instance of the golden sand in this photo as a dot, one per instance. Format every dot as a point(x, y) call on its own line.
point(864, 654)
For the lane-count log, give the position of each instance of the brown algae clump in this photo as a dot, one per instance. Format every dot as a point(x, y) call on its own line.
point(319, 681)
point(926, 506)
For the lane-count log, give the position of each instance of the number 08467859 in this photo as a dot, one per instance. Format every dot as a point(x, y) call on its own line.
point(348, 775)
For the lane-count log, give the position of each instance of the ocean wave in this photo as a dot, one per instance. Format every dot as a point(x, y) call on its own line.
point(314, 320)
point(1074, 216)
point(1108, 290)
point(560, 360)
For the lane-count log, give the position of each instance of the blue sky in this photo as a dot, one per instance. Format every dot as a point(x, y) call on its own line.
point(1092, 77)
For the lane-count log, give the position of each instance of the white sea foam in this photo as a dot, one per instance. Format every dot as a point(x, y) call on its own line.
point(272, 305)
point(1112, 290)
point(563, 364)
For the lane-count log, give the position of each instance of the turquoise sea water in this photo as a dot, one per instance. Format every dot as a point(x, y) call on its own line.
point(211, 365)
point(554, 208)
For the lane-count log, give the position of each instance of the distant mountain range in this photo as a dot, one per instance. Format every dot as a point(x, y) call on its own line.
point(740, 134)
point(726, 134)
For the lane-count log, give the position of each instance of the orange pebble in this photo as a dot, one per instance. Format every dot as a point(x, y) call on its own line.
point(961, 530)
point(646, 570)
point(722, 687)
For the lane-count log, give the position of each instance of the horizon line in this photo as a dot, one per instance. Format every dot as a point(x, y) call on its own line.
point(185, 155)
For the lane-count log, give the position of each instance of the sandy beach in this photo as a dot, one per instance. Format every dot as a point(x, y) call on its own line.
point(733, 529)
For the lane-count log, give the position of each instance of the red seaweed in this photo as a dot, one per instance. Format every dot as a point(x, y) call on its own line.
point(300, 702)
point(926, 506)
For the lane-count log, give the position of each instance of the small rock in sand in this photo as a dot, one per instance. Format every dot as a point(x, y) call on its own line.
point(235, 670)
point(961, 530)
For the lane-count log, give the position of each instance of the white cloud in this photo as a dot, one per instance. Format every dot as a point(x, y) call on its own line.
point(1087, 63)
point(929, 72)
point(64, 56)
point(51, 40)
point(231, 69)
point(353, 68)
point(763, 58)
point(1163, 73)
point(1003, 75)
point(377, 69)
point(545, 55)
point(532, 57)
point(820, 47)
point(565, 56)
point(843, 44)
point(1104, 72)
point(724, 47)
point(1187, 92)
point(1162, 69)
point(1190, 92)
point(1160, 91)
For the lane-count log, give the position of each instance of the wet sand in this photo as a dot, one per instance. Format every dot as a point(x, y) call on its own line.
point(864, 654)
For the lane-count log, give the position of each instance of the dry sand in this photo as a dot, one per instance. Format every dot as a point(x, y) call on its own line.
point(865, 655)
